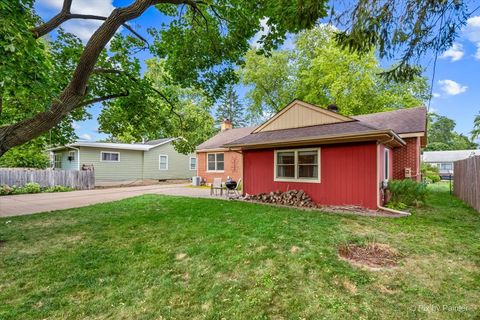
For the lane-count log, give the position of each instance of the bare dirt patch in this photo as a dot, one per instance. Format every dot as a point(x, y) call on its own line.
point(372, 255)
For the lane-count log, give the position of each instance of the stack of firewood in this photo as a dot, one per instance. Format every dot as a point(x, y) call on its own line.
point(296, 198)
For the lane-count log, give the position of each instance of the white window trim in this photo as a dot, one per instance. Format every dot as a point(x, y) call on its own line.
point(55, 161)
point(215, 153)
point(72, 154)
point(386, 168)
point(101, 156)
point(190, 163)
point(159, 156)
point(296, 179)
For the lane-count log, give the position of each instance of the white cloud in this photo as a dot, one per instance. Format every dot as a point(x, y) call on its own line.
point(477, 53)
point(85, 136)
point(472, 29)
point(451, 87)
point(264, 30)
point(76, 126)
point(82, 28)
point(455, 52)
point(436, 95)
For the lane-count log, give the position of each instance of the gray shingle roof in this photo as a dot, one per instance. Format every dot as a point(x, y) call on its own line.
point(401, 121)
point(303, 133)
point(224, 137)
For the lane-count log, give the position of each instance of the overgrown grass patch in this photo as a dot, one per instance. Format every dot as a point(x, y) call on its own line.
point(155, 257)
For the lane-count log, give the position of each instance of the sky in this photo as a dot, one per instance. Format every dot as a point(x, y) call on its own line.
point(456, 85)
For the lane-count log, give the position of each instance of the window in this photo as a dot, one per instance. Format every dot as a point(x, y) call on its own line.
point(71, 155)
point(215, 162)
point(386, 164)
point(57, 158)
point(300, 165)
point(110, 156)
point(193, 163)
point(163, 162)
point(446, 166)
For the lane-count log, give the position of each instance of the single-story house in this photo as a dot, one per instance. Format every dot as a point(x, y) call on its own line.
point(216, 161)
point(115, 162)
point(337, 160)
point(444, 159)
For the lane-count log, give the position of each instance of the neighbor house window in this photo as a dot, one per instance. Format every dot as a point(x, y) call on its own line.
point(71, 155)
point(300, 165)
point(110, 156)
point(57, 160)
point(163, 162)
point(446, 166)
point(193, 163)
point(215, 162)
point(387, 164)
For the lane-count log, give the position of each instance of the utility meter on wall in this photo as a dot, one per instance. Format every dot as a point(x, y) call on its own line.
point(408, 172)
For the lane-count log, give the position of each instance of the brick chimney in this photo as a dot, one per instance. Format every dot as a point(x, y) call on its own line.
point(226, 125)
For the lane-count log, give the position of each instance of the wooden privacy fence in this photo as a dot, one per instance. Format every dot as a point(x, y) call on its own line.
point(466, 181)
point(77, 179)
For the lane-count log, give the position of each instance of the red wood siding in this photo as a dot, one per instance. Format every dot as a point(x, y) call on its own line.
point(232, 167)
point(348, 175)
point(407, 157)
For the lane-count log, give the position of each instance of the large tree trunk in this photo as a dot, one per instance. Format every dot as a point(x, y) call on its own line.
point(72, 96)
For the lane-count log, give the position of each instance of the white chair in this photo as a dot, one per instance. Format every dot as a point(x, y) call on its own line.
point(215, 186)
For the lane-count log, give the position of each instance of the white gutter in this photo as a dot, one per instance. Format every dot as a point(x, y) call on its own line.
point(403, 213)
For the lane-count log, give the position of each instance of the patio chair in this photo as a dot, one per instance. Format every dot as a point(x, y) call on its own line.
point(215, 186)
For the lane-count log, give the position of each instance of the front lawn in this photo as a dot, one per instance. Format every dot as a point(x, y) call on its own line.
point(159, 257)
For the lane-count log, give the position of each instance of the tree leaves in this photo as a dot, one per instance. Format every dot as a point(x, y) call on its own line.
point(320, 72)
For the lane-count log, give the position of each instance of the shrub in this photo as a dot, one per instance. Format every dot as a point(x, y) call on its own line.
point(430, 173)
point(406, 193)
point(31, 187)
point(6, 190)
point(58, 189)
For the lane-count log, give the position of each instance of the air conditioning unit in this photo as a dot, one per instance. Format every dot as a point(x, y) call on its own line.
point(196, 181)
point(408, 172)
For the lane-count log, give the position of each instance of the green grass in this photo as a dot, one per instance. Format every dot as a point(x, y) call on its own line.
point(159, 257)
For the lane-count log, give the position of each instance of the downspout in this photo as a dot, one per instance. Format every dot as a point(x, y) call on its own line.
point(403, 213)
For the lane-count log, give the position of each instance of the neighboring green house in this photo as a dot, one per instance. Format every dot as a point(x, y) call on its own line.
point(152, 160)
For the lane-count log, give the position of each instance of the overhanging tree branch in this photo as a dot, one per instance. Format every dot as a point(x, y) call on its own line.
point(101, 99)
point(72, 95)
point(61, 18)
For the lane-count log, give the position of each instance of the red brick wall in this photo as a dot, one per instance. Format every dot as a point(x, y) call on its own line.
point(232, 167)
point(407, 157)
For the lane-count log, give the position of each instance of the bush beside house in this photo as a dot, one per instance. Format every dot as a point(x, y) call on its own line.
point(31, 187)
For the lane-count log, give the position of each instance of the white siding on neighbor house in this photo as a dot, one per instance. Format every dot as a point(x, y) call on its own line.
point(178, 164)
point(67, 164)
point(128, 168)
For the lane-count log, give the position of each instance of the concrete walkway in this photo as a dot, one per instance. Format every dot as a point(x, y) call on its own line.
point(33, 203)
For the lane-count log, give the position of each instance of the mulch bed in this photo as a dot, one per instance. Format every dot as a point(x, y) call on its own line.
point(372, 255)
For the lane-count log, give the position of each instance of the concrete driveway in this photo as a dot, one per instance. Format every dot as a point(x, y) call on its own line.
point(41, 202)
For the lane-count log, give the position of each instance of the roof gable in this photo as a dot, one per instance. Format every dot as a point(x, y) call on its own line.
point(301, 114)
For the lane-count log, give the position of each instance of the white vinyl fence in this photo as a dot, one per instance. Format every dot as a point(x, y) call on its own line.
point(82, 180)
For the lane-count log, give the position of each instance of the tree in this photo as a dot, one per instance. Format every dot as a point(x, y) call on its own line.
point(400, 30)
point(231, 108)
point(320, 72)
point(147, 115)
point(442, 135)
point(476, 127)
point(201, 44)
